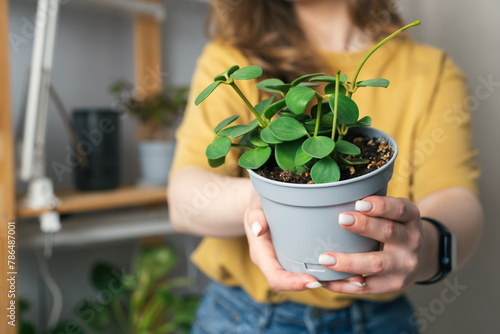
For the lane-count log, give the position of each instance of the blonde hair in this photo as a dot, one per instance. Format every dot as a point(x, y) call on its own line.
point(268, 34)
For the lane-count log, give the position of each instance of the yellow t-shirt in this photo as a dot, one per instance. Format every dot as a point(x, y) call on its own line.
point(424, 109)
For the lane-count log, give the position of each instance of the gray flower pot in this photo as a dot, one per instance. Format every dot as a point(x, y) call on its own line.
point(303, 218)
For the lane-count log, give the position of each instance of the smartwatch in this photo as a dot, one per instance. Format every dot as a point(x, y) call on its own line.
point(447, 252)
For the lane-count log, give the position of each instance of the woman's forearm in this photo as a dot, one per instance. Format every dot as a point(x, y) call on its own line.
point(204, 203)
point(460, 210)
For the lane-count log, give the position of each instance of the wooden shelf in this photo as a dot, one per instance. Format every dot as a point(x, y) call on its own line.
point(72, 201)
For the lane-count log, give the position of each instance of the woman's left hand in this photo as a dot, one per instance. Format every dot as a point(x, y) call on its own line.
point(409, 250)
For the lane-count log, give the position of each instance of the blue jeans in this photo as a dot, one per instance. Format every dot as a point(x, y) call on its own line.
point(231, 310)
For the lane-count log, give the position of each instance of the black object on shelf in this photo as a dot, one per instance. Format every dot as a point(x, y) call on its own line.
point(97, 148)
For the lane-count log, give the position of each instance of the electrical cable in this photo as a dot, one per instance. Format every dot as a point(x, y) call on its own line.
point(56, 293)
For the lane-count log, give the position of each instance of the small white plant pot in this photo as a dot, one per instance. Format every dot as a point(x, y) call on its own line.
point(155, 159)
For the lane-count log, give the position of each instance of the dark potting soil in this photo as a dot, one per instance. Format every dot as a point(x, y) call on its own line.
point(378, 151)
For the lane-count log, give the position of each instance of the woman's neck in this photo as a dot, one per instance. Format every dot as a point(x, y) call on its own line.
point(328, 25)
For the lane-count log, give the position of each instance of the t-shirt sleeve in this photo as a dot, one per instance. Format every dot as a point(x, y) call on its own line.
point(444, 156)
point(196, 131)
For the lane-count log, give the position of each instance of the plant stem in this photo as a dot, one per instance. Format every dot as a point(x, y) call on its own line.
point(119, 315)
point(249, 105)
point(318, 114)
point(166, 328)
point(342, 131)
point(379, 44)
point(149, 313)
point(336, 104)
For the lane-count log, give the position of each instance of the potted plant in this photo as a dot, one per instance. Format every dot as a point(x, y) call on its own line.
point(143, 302)
point(159, 116)
point(329, 151)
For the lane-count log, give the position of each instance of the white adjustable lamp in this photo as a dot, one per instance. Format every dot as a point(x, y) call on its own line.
point(40, 188)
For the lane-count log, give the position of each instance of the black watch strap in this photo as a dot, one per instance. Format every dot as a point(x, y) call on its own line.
point(446, 253)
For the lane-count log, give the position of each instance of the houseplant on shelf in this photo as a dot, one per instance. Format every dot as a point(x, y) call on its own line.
point(145, 301)
point(308, 167)
point(159, 116)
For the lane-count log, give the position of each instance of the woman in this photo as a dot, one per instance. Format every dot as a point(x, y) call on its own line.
point(434, 175)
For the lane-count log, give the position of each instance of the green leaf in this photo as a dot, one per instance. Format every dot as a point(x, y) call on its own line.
point(325, 170)
point(273, 86)
point(98, 321)
point(218, 148)
point(298, 98)
point(379, 82)
point(330, 89)
point(287, 129)
point(214, 163)
point(247, 73)
point(231, 70)
point(353, 161)
point(324, 78)
point(224, 75)
point(301, 117)
point(256, 140)
point(225, 123)
point(226, 132)
point(318, 147)
point(27, 328)
point(348, 111)
point(325, 108)
point(304, 78)
point(285, 154)
point(263, 105)
point(255, 158)
point(301, 157)
point(268, 85)
point(267, 136)
point(346, 147)
point(326, 120)
point(156, 261)
point(206, 92)
point(274, 108)
point(62, 326)
point(365, 121)
point(308, 84)
point(239, 130)
point(103, 274)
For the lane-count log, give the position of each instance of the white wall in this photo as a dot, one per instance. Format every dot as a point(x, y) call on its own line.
point(469, 32)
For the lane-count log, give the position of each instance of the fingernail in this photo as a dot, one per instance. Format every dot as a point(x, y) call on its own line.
point(345, 219)
point(327, 260)
point(313, 285)
point(358, 284)
point(256, 228)
point(363, 206)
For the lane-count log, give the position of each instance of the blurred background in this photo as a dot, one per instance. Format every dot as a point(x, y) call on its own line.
point(94, 50)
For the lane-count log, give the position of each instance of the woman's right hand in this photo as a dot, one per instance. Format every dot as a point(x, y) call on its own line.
point(263, 255)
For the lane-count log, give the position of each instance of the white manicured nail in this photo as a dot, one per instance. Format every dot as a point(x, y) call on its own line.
point(345, 219)
point(327, 260)
point(256, 228)
point(363, 206)
point(358, 284)
point(313, 285)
